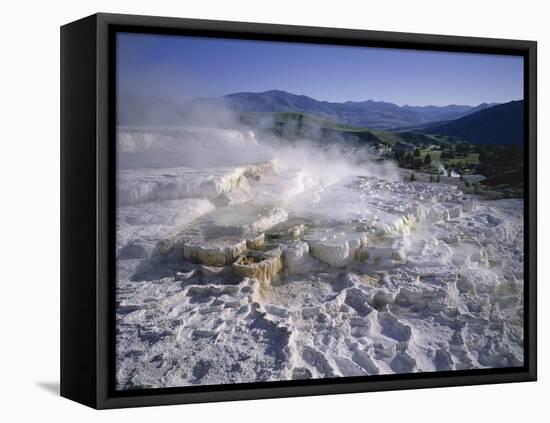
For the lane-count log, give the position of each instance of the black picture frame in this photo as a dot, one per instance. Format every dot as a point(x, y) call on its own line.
point(88, 212)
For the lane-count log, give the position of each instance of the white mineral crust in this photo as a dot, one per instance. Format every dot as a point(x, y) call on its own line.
point(258, 270)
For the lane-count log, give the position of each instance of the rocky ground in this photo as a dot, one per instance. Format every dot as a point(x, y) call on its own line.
point(268, 271)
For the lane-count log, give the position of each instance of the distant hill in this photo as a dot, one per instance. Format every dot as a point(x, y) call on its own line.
point(292, 126)
point(450, 112)
point(501, 124)
point(218, 111)
point(369, 113)
point(295, 126)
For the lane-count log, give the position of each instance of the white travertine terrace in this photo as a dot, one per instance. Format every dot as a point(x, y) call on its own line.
point(256, 272)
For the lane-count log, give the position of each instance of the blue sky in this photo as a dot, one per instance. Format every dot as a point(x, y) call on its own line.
point(180, 68)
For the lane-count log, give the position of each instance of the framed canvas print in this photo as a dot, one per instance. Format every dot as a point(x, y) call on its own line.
point(254, 211)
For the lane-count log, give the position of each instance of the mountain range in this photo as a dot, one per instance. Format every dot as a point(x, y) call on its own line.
point(134, 110)
point(372, 114)
point(486, 123)
point(501, 124)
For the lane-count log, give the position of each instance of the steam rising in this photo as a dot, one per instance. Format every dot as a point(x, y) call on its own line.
point(210, 135)
point(306, 167)
point(212, 215)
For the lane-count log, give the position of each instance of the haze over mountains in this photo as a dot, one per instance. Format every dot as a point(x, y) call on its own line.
point(369, 113)
point(486, 123)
